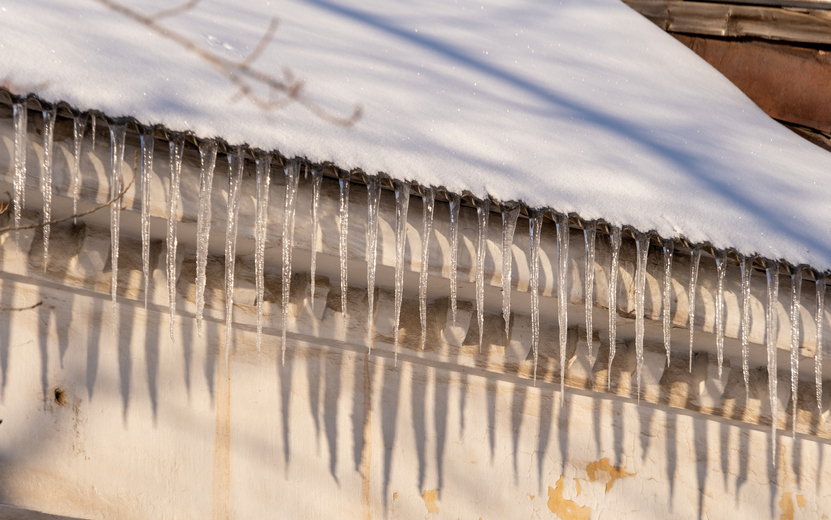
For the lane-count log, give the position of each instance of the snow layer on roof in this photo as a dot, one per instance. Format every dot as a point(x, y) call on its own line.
point(581, 105)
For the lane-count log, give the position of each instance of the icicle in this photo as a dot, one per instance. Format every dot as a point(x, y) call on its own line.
point(721, 268)
point(428, 198)
point(236, 165)
point(695, 259)
point(770, 337)
point(534, 235)
point(177, 146)
point(146, 166)
point(455, 204)
point(373, 200)
point(79, 125)
point(820, 319)
point(642, 243)
point(509, 217)
point(796, 305)
point(207, 151)
point(20, 121)
point(117, 133)
point(402, 205)
point(590, 238)
point(344, 235)
point(46, 177)
point(317, 179)
point(93, 120)
point(747, 270)
point(666, 308)
point(260, 236)
point(482, 212)
point(562, 294)
point(292, 176)
point(616, 237)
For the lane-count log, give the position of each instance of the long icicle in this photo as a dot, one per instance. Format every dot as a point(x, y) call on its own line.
point(534, 235)
point(78, 127)
point(616, 237)
point(483, 210)
point(344, 242)
point(207, 150)
point(590, 238)
point(260, 236)
point(373, 201)
point(747, 270)
point(20, 145)
point(402, 206)
point(455, 204)
point(721, 268)
point(146, 166)
point(317, 180)
point(46, 177)
point(292, 172)
point(819, 318)
point(177, 146)
point(695, 260)
point(642, 244)
point(236, 165)
point(666, 307)
point(770, 337)
point(796, 306)
point(117, 134)
point(509, 218)
point(93, 121)
point(428, 198)
point(563, 233)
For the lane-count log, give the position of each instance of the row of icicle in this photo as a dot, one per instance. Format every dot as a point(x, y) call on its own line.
point(510, 214)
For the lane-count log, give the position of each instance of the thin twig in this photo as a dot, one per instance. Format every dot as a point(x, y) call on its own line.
point(173, 11)
point(4, 308)
point(82, 214)
point(261, 45)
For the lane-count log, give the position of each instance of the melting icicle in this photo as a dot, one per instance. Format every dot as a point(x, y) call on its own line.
point(534, 235)
point(428, 198)
point(616, 237)
point(562, 294)
point(819, 318)
point(344, 235)
point(20, 121)
point(146, 166)
point(373, 201)
point(666, 308)
point(292, 176)
point(207, 151)
point(317, 179)
point(236, 164)
point(260, 236)
point(770, 337)
point(590, 238)
point(509, 217)
point(695, 259)
point(642, 244)
point(482, 212)
point(402, 205)
point(93, 120)
point(46, 177)
point(117, 133)
point(455, 204)
point(747, 270)
point(79, 125)
point(796, 305)
point(177, 146)
point(721, 268)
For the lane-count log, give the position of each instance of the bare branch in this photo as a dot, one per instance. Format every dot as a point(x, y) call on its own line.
point(70, 217)
point(261, 45)
point(4, 308)
point(173, 11)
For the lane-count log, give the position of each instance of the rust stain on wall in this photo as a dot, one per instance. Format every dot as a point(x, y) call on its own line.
point(565, 509)
point(615, 472)
point(222, 442)
point(429, 498)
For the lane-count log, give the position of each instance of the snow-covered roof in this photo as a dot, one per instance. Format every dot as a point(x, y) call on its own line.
point(580, 106)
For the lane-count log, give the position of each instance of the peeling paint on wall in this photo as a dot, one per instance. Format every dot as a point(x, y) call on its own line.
point(565, 509)
point(615, 472)
point(429, 498)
